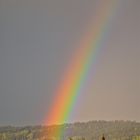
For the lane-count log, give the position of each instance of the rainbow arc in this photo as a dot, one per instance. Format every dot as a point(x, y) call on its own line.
point(70, 87)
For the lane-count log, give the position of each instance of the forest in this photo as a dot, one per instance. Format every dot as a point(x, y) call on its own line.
point(91, 130)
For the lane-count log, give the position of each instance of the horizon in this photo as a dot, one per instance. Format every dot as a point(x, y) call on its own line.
point(68, 123)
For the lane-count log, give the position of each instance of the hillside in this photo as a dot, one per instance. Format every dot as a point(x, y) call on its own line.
point(92, 130)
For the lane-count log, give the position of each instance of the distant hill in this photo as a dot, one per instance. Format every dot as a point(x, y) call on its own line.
point(92, 130)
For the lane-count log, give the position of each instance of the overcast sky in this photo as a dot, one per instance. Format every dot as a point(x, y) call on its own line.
point(37, 41)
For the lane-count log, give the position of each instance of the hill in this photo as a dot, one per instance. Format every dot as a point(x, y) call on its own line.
point(92, 130)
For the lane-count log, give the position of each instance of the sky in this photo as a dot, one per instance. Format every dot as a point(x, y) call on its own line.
point(37, 42)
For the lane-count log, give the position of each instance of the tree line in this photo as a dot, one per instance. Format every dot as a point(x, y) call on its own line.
point(92, 130)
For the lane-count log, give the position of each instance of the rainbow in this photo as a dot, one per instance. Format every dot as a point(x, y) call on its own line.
point(76, 73)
